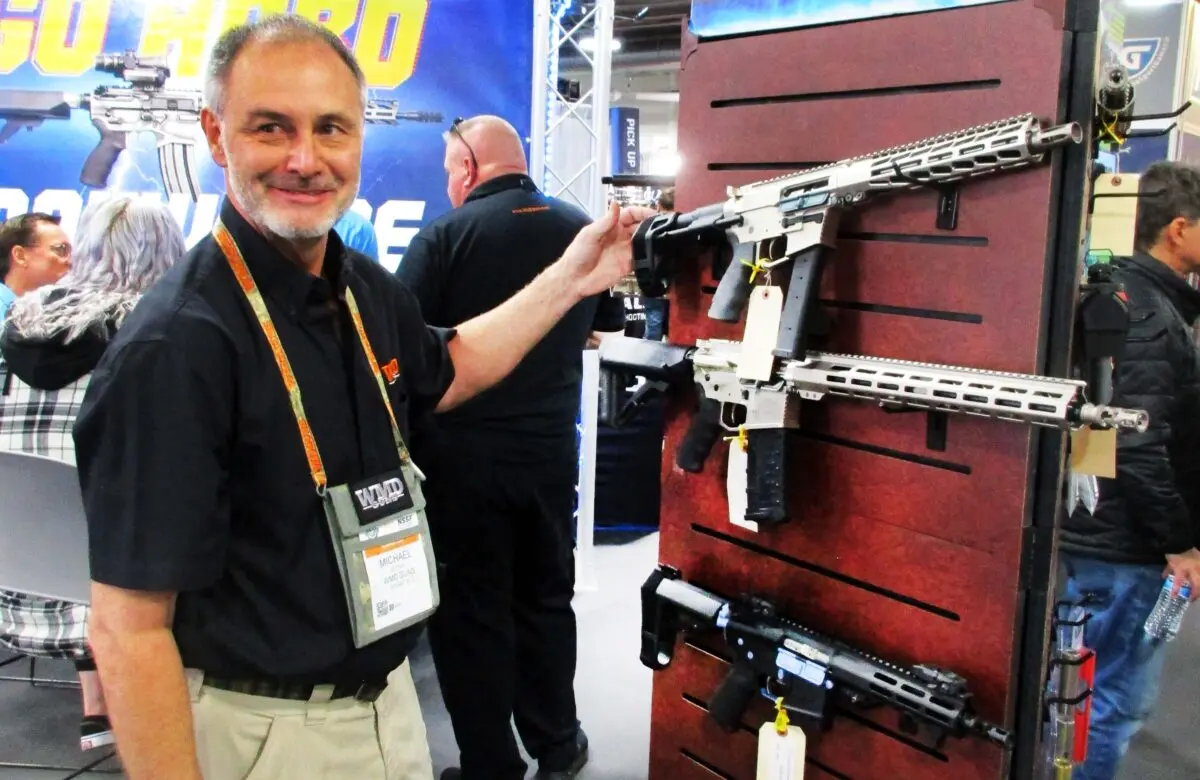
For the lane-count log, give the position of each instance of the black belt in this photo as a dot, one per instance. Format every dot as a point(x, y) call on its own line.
point(275, 689)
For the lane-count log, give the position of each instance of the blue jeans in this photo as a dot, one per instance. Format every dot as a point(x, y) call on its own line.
point(1128, 663)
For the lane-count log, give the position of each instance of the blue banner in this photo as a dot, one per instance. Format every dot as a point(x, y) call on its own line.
point(714, 18)
point(625, 128)
point(64, 114)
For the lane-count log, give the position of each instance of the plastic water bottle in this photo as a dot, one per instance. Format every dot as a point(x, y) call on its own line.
point(1167, 617)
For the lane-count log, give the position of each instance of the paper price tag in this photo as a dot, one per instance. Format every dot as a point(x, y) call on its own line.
point(780, 756)
point(1094, 452)
point(398, 573)
point(757, 361)
point(735, 487)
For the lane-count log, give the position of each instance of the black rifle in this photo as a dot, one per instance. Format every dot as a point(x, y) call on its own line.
point(783, 659)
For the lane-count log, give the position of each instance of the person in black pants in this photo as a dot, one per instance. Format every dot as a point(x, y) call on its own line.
point(502, 468)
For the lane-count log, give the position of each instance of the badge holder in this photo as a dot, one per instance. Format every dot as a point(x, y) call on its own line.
point(384, 555)
point(378, 527)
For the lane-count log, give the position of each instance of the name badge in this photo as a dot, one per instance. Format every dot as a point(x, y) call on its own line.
point(381, 541)
point(398, 575)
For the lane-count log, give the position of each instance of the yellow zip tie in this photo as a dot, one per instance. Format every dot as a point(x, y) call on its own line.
point(740, 438)
point(781, 718)
point(755, 267)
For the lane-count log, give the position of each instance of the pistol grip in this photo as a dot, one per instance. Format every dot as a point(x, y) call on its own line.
point(803, 290)
point(701, 435)
point(732, 697)
point(766, 473)
point(733, 291)
point(100, 162)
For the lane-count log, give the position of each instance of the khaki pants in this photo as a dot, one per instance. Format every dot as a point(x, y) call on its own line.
point(243, 737)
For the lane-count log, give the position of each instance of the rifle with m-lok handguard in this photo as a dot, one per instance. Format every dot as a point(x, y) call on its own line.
point(765, 410)
point(781, 658)
point(794, 219)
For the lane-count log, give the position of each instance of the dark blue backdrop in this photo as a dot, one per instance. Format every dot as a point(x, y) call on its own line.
point(471, 57)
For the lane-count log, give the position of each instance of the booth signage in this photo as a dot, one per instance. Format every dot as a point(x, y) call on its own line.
point(63, 62)
point(1151, 53)
point(625, 126)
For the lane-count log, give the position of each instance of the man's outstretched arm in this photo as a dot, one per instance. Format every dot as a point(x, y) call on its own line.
point(488, 347)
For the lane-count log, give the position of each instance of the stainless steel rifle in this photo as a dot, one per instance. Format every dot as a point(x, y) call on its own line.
point(142, 104)
point(764, 411)
point(387, 112)
point(794, 219)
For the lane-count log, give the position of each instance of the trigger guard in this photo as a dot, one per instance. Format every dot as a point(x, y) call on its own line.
point(729, 410)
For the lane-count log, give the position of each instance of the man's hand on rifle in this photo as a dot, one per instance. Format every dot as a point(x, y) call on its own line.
point(602, 253)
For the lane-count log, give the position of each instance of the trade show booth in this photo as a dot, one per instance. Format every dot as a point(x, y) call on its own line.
point(858, 371)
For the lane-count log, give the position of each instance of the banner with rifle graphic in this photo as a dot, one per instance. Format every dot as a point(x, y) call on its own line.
point(102, 96)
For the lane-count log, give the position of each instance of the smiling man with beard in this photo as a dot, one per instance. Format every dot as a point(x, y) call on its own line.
point(242, 623)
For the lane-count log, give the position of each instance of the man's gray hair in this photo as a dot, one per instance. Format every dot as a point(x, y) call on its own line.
point(1166, 191)
point(280, 28)
point(122, 247)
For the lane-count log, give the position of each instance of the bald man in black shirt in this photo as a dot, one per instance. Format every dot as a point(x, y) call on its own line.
point(504, 637)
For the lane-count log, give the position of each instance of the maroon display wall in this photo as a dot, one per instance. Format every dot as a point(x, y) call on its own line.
point(911, 553)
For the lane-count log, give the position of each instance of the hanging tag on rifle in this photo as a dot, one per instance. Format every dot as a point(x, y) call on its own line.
point(736, 479)
point(1094, 452)
point(757, 361)
point(780, 749)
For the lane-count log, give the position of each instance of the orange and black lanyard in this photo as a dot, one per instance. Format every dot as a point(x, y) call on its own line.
point(234, 255)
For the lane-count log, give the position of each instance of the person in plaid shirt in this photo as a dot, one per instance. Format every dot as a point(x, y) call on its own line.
point(52, 340)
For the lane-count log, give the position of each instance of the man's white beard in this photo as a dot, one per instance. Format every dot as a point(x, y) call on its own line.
point(260, 212)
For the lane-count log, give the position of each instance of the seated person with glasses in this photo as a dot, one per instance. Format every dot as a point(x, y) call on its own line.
point(52, 341)
point(34, 251)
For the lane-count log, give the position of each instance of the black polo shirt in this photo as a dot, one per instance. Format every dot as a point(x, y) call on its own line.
point(193, 473)
point(472, 259)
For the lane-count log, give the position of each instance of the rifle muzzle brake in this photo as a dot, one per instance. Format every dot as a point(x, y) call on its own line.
point(1102, 416)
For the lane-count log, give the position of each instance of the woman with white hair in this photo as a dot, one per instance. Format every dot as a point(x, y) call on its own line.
point(52, 340)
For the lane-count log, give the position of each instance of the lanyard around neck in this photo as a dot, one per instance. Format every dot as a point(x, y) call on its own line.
point(233, 254)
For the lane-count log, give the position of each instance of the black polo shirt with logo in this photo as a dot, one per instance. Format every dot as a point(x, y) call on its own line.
point(473, 258)
point(193, 473)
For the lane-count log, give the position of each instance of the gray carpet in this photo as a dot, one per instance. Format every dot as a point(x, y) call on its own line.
point(40, 724)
